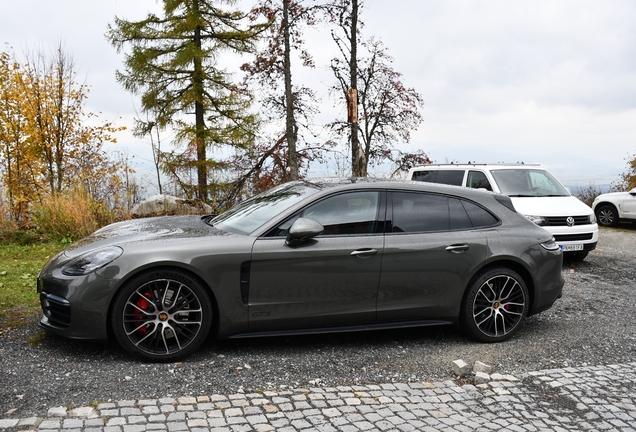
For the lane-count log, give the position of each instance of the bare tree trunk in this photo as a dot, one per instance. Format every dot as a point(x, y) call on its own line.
point(357, 159)
point(291, 129)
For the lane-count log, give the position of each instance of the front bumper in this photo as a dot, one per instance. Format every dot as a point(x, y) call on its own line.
point(76, 307)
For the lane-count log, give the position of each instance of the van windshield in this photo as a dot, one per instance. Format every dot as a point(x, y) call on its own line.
point(528, 183)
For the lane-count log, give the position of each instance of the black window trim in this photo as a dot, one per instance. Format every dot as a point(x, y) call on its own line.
point(389, 213)
point(380, 215)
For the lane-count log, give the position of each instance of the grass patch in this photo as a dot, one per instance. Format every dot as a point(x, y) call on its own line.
point(37, 338)
point(19, 268)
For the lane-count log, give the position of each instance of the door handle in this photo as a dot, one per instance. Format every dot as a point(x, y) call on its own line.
point(458, 248)
point(364, 253)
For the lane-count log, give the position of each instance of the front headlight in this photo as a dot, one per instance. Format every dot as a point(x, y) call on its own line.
point(91, 261)
point(592, 218)
point(550, 245)
point(539, 220)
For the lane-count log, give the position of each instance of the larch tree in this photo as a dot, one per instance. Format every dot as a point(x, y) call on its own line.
point(173, 64)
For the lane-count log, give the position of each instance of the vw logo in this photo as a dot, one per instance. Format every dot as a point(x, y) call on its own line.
point(570, 221)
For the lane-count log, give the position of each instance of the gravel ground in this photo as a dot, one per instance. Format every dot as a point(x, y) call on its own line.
point(593, 324)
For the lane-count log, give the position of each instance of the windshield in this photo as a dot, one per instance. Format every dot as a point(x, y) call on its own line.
point(528, 183)
point(251, 214)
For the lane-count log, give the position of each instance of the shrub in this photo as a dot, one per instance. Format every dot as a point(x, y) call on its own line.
point(588, 194)
point(70, 216)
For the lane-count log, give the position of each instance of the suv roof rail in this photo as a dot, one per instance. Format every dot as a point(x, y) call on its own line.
point(469, 163)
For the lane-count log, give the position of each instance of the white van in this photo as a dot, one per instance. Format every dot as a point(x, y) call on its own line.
point(535, 193)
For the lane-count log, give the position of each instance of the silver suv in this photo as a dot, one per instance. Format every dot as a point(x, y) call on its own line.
point(535, 193)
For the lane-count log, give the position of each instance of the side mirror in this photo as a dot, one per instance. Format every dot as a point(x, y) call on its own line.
point(303, 229)
point(632, 192)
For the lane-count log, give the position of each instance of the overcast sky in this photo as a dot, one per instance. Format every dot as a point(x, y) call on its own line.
point(551, 82)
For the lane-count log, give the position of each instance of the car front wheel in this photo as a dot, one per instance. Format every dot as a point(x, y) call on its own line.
point(495, 305)
point(162, 316)
point(607, 216)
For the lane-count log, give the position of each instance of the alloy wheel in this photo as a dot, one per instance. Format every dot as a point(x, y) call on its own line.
point(162, 317)
point(499, 306)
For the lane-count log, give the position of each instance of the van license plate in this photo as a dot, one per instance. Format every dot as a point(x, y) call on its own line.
point(571, 247)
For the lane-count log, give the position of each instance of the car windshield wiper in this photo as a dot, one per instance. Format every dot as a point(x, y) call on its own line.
point(522, 196)
point(208, 219)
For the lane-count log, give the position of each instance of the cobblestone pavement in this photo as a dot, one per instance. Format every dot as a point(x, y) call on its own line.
point(595, 398)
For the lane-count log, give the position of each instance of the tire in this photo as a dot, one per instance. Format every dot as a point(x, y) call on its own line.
point(607, 215)
point(495, 305)
point(162, 316)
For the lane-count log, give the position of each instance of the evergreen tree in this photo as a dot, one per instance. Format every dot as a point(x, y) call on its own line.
point(172, 63)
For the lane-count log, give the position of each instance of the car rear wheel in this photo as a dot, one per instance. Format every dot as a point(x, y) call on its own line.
point(607, 216)
point(495, 305)
point(162, 316)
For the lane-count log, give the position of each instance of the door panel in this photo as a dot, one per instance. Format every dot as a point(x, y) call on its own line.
point(424, 274)
point(430, 253)
point(325, 282)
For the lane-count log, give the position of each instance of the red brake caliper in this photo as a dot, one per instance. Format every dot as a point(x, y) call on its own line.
point(142, 304)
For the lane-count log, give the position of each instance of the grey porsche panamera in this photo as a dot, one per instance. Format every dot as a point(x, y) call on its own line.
point(305, 257)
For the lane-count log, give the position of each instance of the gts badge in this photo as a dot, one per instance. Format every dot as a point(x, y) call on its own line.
point(260, 314)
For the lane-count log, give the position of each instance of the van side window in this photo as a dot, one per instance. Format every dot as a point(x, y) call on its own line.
point(478, 180)
point(424, 176)
point(449, 177)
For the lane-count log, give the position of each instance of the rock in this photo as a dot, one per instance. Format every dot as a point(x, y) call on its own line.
point(460, 368)
point(481, 378)
point(481, 367)
point(167, 205)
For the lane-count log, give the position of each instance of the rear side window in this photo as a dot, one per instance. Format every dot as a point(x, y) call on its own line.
point(421, 212)
point(449, 177)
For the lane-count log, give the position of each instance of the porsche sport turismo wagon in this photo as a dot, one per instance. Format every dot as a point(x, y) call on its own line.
point(306, 257)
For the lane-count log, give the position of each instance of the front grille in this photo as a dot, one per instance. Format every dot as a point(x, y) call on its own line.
point(562, 220)
point(56, 309)
point(573, 237)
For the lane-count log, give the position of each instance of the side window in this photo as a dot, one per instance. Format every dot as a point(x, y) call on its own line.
point(478, 180)
point(459, 218)
point(424, 176)
point(479, 217)
point(419, 212)
point(348, 213)
point(450, 177)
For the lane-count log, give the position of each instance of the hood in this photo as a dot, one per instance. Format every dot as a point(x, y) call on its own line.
point(551, 206)
point(147, 229)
